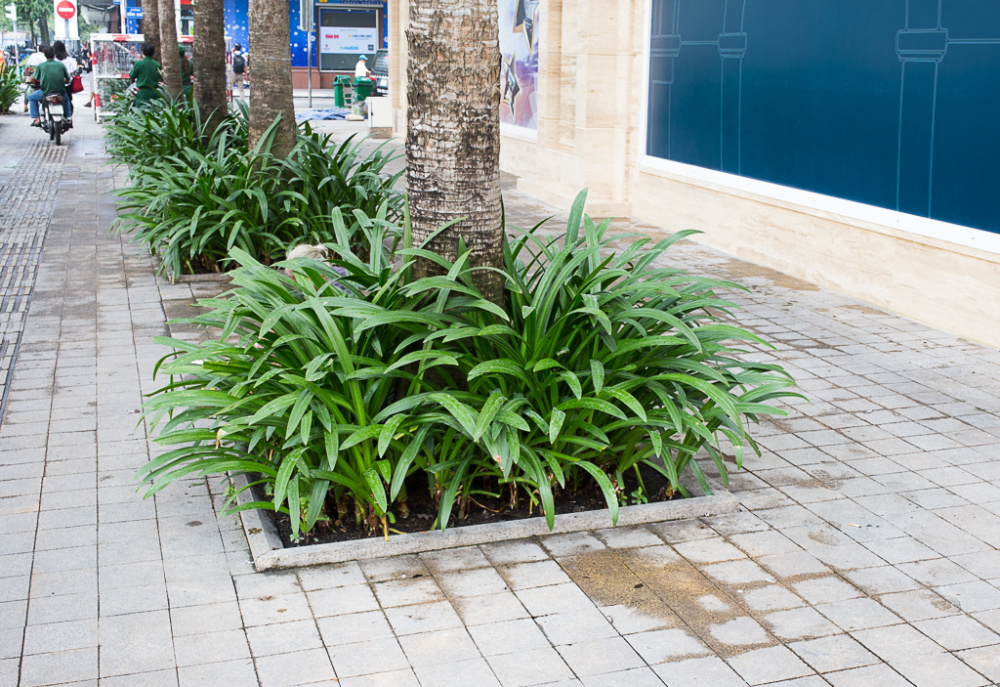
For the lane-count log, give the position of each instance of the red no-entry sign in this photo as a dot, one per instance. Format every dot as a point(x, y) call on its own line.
point(66, 9)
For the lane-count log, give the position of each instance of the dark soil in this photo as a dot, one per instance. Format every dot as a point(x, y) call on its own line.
point(483, 511)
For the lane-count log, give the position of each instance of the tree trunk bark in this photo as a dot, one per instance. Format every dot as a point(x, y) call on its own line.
point(453, 132)
point(210, 49)
point(151, 26)
point(171, 61)
point(43, 26)
point(271, 79)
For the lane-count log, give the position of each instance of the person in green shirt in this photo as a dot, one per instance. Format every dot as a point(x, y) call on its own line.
point(51, 77)
point(146, 75)
point(187, 72)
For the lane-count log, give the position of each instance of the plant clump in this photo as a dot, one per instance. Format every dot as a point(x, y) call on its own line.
point(191, 197)
point(341, 386)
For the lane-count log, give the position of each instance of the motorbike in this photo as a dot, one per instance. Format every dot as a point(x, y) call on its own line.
point(52, 120)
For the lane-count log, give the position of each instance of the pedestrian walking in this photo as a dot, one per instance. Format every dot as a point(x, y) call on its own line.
point(241, 67)
point(146, 73)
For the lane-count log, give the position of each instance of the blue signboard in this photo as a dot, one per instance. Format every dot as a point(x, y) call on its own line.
point(133, 13)
point(890, 103)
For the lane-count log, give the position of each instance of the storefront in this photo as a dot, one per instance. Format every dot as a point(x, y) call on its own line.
point(851, 145)
point(345, 29)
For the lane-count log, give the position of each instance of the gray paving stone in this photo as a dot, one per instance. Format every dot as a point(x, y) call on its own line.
point(135, 643)
point(837, 652)
point(659, 646)
point(637, 677)
point(192, 620)
point(918, 604)
point(339, 630)
point(774, 663)
point(438, 646)
point(428, 617)
point(600, 656)
point(958, 632)
point(576, 626)
point(330, 576)
point(473, 582)
point(984, 660)
point(770, 597)
point(827, 589)
point(395, 678)
point(355, 598)
point(490, 608)
point(799, 623)
point(157, 678)
point(881, 580)
point(708, 671)
point(267, 610)
point(213, 647)
point(455, 560)
point(362, 658)
point(572, 544)
point(509, 553)
point(59, 667)
point(512, 636)
point(398, 568)
point(562, 598)
point(628, 537)
point(741, 632)
point(868, 676)
point(234, 673)
point(739, 572)
point(533, 574)
point(628, 619)
point(972, 597)
point(535, 667)
point(297, 668)
point(407, 592)
point(60, 636)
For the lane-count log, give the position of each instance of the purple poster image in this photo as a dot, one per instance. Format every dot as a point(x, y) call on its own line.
point(519, 62)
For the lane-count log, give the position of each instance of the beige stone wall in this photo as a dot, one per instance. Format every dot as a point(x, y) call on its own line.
point(591, 80)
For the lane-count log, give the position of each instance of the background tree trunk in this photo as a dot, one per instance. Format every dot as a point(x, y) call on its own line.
point(151, 26)
point(271, 80)
point(210, 49)
point(453, 131)
point(171, 61)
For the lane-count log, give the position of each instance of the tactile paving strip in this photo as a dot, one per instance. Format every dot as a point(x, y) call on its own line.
point(27, 198)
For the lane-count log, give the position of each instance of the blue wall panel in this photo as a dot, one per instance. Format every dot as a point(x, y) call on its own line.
point(892, 103)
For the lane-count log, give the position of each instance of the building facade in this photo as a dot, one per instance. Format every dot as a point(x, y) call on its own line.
point(849, 143)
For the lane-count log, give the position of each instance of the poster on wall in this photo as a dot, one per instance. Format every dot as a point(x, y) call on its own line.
point(354, 39)
point(519, 62)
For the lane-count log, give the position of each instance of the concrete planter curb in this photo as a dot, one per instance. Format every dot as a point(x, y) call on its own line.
point(269, 553)
point(208, 277)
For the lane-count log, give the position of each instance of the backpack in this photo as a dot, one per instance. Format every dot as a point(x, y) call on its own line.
point(239, 64)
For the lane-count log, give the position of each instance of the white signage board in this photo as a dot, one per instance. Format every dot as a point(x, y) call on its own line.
point(67, 17)
point(352, 40)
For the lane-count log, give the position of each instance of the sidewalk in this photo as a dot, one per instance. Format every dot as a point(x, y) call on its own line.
point(866, 553)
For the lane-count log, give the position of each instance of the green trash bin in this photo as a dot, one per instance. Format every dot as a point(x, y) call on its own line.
point(338, 93)
point(362, 89)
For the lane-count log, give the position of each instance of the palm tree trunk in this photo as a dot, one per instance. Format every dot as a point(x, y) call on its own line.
point(453, 132)
point(210, 49)
point(171, 61)
point(151, 26)
point(271, 87)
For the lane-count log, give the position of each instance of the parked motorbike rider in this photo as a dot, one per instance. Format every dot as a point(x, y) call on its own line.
point(52, 78)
